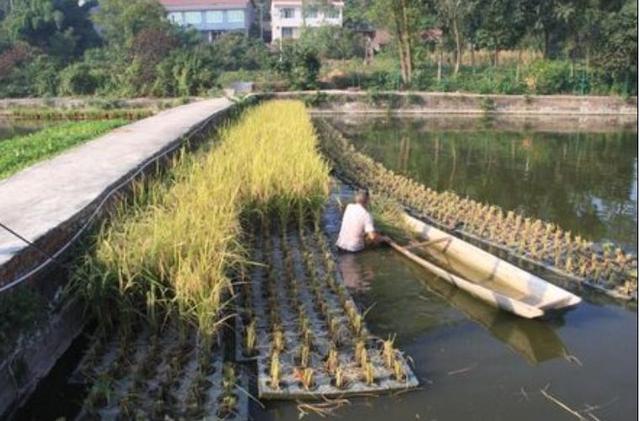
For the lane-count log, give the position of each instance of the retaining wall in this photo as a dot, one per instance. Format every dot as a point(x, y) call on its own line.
point(50, 202)
point(361, 102)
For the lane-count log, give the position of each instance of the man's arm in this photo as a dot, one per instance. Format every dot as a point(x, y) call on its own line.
point(371, 235)
point(376, 238)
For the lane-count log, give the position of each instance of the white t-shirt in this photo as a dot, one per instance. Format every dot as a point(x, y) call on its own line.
point(356, 222)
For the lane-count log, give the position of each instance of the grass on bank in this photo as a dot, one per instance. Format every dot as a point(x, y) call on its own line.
point(21, 151)
point(80, 113)
point(532, 76)
point(175, 251)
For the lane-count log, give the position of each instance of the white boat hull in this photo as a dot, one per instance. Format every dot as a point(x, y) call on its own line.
point(490, 278)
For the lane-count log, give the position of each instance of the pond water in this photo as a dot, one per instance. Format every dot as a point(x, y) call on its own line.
point(10, 127)
point(574, 173)
point(478, 363)
point(474, 361)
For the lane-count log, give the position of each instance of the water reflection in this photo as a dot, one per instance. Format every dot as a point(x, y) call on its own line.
point(534, 340)
point(10, 128)
point(355, 277)
point(409, 300)
point(585, 181)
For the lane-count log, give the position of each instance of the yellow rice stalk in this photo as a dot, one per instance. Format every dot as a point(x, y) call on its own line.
point(186, 235)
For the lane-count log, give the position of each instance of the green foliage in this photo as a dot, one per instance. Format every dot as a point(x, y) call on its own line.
point(148, 48)
point(549, 77)
point(300, 64)
point(317, 100)
point(334, 43)
point(21, 151)
point(121, 20)
point(61, 27)
point(258, 76)
point(49, 47)
point(185, 73)
point(78, 79)
point(43, 76)
point(235, 51)
point(619, 52)
point(542, 77)
point(502, 23)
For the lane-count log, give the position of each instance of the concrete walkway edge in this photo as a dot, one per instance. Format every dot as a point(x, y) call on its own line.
point(45, 202)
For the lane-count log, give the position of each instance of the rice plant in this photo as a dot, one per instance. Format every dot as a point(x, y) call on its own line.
point(307, 378)
point(185, 238)
point(525, 238)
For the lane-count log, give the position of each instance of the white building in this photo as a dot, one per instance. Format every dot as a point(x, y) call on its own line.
point(289, 17)
point(211, 17)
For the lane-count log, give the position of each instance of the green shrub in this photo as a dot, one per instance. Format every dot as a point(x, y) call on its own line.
point(78, 79)
point(234, 51)
point(298, 63)
point(44, 75)
point(185, 73)
point(316, 100)
point(546, 77)
point(35, 76)
point(334, 43)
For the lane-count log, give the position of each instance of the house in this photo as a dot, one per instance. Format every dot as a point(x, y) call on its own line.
point(289, 17)
point(211, 17)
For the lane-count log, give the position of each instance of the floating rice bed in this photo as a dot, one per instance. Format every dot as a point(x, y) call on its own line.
point(300, 323)
point(543, 244)
point(154, 376)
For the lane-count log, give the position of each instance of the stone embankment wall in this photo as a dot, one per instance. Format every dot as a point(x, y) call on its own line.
point(354, 102)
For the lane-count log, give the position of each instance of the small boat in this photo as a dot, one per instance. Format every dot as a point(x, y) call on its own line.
point(484, 275)
point(533, 340)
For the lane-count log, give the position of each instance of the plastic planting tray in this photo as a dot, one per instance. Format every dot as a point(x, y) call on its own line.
point(277, 298)
point(151, 380)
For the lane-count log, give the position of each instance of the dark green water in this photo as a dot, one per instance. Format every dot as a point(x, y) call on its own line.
point(10, 128)
point(476, 362)
point(583, 179)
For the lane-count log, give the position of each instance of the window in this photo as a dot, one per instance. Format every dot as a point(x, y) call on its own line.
point(311, 12)
point(176, 17)
point(287, 32)
point(193, 18)
point(214, 16)
point(287, 13)
point(235, 16)
point(332, 13)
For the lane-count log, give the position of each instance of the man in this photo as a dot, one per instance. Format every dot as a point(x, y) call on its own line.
point(357, 225)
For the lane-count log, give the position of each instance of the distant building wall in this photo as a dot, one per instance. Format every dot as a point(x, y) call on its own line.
point(211, 17)
point(289, 17)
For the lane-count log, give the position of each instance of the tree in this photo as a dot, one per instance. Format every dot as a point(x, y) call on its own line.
point(502, 24)
point(299, 63)
point(121, 20)
point(403, 18)
point(454, 14)
point(619, 45)
point(235, 51)
point(148, 48)
point(334, 43)
point(60, 28)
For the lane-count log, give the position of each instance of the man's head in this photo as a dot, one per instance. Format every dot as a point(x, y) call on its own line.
point(362, 197)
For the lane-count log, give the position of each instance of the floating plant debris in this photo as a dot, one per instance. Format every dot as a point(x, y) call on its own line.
point(532, 240)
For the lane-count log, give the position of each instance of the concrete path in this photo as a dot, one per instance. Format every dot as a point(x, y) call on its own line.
point(40, 198)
